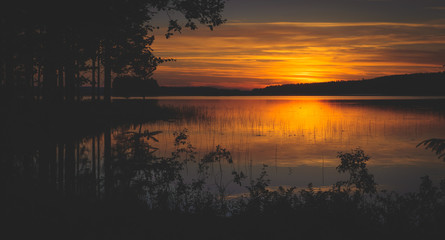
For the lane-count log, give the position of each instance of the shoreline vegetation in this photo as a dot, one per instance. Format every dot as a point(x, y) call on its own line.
point(142, 195)
point(417, 84)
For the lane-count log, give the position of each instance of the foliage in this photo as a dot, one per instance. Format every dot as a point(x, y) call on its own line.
point(354, 199)
point(49, 49)
point(436, 145)
point(134, 86)
point(354, 164)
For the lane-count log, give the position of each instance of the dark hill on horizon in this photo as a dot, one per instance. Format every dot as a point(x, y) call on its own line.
point(417, 84)
point(200, 91)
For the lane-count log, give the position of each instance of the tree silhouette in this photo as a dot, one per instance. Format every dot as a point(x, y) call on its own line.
point(354, 163)
point(128, 86)
point(57, 43)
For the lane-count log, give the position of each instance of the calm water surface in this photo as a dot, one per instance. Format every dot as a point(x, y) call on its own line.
point(300, 137)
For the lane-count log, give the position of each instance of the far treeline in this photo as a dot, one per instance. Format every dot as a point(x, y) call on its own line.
point(418, 84)
point(49, 50)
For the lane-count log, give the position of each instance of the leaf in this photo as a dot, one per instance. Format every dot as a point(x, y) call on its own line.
point(436, 145)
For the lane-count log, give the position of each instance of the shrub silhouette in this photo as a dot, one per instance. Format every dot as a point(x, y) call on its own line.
point(354, 164)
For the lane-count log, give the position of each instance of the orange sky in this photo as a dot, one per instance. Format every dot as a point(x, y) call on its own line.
point(252, 55)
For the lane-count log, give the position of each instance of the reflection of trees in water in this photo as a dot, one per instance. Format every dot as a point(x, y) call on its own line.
point(137, 171)
point(120, 164)
point(129, 171)
point(124, 164)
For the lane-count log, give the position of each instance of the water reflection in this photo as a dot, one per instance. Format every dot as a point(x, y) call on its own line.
point(297, 138)
point(127, 164)
point(305, 134)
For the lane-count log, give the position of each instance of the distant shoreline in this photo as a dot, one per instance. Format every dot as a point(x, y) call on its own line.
point(320, 97)
point(418, 84)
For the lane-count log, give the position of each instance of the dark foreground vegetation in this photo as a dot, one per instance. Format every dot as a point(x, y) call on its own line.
point(131, 192)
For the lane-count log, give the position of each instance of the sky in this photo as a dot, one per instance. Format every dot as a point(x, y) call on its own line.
point(270, 42)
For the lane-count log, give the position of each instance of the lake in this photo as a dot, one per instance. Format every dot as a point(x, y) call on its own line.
point(299, 137)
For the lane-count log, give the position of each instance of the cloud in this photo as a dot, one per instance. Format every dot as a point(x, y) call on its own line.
point(437, 8)
point(252, 55)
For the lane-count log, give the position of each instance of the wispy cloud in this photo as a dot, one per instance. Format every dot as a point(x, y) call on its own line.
point(252, 55)
point(437, 8)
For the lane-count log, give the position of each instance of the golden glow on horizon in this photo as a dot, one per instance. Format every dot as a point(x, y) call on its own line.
point(250, 55)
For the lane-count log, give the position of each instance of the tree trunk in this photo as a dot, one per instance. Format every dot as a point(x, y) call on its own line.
point(60, 162)
point(47, 159)
point(107, 83)
point(29, 67)
point(53, 166)
point(78, 83)
point(70, 167)
point(39, 83)
point(9, 78)
point(61, 87)
point(98, 78)
point(107, 73)
point(107, 162)
point(98, 166)
point(9, 72)
point(49, 70)
point(93, 162)
point(69, 79)
point(93, 79)
point(2, 72)
point(29, 78)
point(49, 81)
